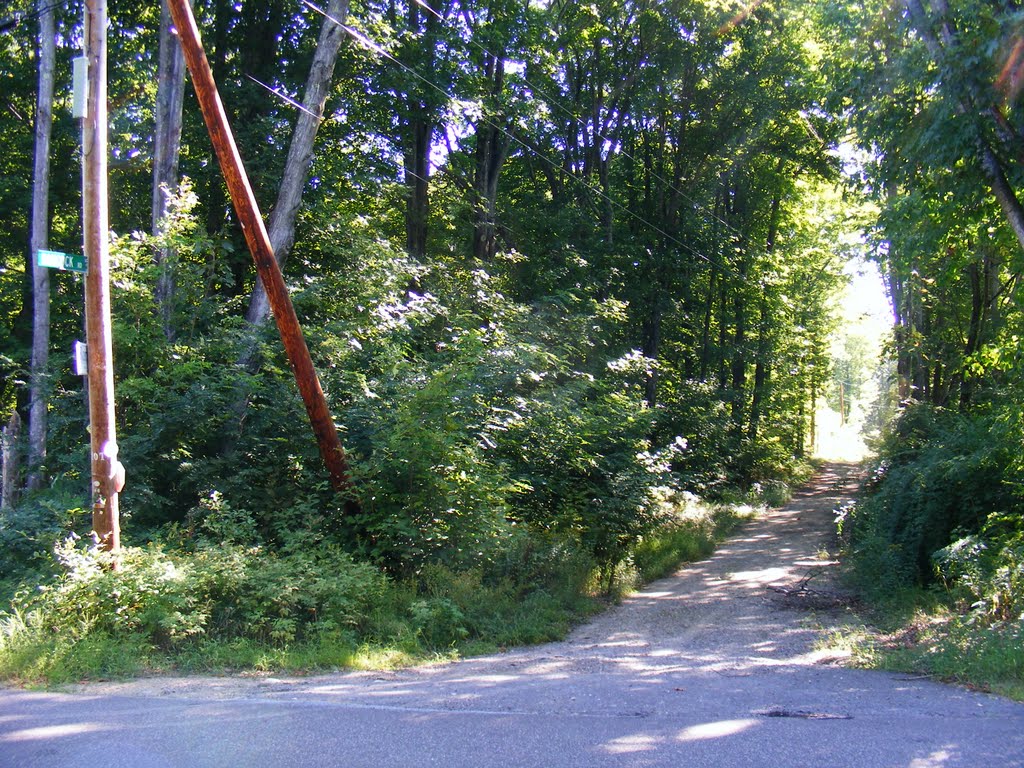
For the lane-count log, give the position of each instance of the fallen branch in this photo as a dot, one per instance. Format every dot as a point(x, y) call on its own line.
point(800, 588)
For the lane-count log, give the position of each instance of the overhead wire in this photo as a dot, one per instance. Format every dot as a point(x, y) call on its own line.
point(286, 98)
point(16, 18)
point(553, 101)
point(381, 51)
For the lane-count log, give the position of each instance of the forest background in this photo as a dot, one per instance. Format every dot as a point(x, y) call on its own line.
point(569, 273)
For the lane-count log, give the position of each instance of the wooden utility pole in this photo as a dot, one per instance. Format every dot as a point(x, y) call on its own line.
point(107, 473)
point(258, 241)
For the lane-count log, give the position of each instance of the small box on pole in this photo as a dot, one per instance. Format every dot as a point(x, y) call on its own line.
point(80, 358)
point(80, 78)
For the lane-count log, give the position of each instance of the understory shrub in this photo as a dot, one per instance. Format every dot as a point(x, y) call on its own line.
point(690, 533)
point(166, 600)
point(499, 423)
point(984, 573)
point(941, 475)
point(505, 463)
point(937, 544)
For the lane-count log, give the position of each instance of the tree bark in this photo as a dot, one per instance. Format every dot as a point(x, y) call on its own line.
point(705, 336)
point(1004, 193)
point(984, 278)
point(723, 333)
point(762, 365)
point(738, 367)
point(420, 129)
point(38, 387)
point(762, 369)
point(709, 305)
point(417, 129)
point(491, 149)
point(652, 335)
point(216, 199)
point(170, 96)
point(281, 227)
point(9, 462)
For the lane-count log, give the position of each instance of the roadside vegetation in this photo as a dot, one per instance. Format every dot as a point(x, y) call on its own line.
point(936, 547)
point(216, 608)
point(567, 273)
point(936, 543)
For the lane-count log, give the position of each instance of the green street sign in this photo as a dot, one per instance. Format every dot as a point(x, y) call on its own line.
point(57, 260)
point(74, 262)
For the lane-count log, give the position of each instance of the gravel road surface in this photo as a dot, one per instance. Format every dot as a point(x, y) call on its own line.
point(714, 666)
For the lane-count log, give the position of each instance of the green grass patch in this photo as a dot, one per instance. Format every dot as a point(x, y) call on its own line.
point(692, 535)
point(919, 631)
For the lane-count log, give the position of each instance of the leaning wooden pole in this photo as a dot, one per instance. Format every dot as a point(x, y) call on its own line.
point(259, 245)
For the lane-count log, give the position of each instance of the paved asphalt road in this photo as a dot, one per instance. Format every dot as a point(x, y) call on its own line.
point(704, 669)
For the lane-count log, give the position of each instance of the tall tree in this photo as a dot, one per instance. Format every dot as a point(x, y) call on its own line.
point(38, 394)
point(281, 227)
point(421, 95)
point(938, 29)
point(170, 96)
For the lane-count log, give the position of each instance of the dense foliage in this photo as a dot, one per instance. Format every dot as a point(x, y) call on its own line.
point(559, 264)
point(933, 91)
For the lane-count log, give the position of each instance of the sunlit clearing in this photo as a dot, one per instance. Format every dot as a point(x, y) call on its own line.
point(855, 397)
point(715, 730)
point(837, 440)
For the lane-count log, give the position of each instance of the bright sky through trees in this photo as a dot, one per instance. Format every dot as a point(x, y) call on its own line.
point(864, 327)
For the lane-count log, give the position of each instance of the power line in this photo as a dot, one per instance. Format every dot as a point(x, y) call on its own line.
point(381, 51)
point(12, 21)
point(553, 101)
point(285, 97)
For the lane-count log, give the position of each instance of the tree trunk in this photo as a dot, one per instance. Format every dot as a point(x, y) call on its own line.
point(1004, 193)
point(738, 368)
point(762, 369)
point(170, 95)
point(723, 333)
point(705, 336)
point(800, 449)
point(216, 198)
point(762, 364)
point(417, 182)
point(281, 226)
point(652, 338)
point(813, 436)
point(709, 305)
point(9, 462)
point(39, 389)
point(491, 148)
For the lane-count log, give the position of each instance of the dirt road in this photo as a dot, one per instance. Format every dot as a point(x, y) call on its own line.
point(714, 666)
